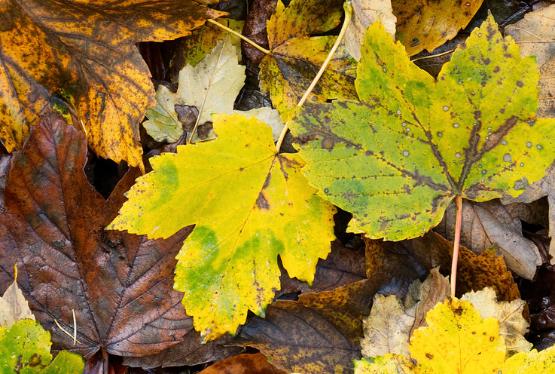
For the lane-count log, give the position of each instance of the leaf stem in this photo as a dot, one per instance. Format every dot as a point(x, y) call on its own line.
point(456, 244)
point(348, 14)
point(260, 48)
point(432, 56)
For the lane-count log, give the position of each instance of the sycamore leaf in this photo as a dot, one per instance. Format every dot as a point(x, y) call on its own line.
point(297, 55)
point(512, 325)
point(427, 25)
point(25, 348)
point(243, 364)
point(457, 340)
point(249, 205)
point(211, 86)
point(86, 55)
point(118, 285)
point(267, 115)
point(366, 12)
point(13, 306)
point(398, 157)
point(532, 362)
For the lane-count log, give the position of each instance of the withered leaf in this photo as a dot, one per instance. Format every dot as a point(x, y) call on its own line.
point(243, 364)
point(319, 333)
point(84, 53)
point(118, 285)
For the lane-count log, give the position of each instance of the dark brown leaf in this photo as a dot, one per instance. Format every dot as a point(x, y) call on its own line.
point(243, 364)
point(118, 285)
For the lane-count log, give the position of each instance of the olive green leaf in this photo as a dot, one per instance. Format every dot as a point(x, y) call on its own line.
point(398, 157)
point(297, 54)
point(25, 348)
point(249, 206)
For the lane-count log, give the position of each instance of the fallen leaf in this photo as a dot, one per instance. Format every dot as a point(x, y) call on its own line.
point(475, 271)
point(387, 364)
point(512, 325)
point(427, 25)
point(365, 13)
point(13, 306)
point(243, 364)
point(240, 184)
point(25, 348)
point(397, 158)
point(297, 54)
point(457, 340)
point(342, 266)
point(532, 362)
point(118, 285)
point(387, 328)
point(492, 225)
point(86, 56)
point(255, 28)
point(211, 86)
point(535, 34)
point(267, 115)
point(319, 333)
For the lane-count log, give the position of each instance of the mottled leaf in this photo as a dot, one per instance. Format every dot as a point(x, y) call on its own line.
point(319, 333)
point(86, 55)
point(398, 157)
point(512, 325)
point(297, 55)
point(366, 12)
point(118, 285)
point(25, 348)
point(387, 364)
point(249, 205)
point(427, 25)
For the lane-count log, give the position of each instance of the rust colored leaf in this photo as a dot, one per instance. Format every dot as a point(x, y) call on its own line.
point(120, 286)
point(243, 364)
point(83, 52)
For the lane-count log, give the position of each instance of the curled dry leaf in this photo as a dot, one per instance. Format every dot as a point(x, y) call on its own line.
point(366, 12)
point(427, 25)
point(492, 225)
point(118, 285)
point(85, 55)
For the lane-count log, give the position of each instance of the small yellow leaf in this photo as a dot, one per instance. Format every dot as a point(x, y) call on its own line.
point(457, 340)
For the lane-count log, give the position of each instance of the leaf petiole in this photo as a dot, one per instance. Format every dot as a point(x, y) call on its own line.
point(456, 244)
point(260, 48)
point(348, 15)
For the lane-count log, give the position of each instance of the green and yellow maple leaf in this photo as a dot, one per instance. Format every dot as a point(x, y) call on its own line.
point(398, 157)
point(249, 204)
point(296, 55)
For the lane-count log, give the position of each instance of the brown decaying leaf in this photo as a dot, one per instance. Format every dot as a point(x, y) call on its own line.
point(427, 25)
point(342, 266)
point(119, 285)
point(475, 272)
point(319, 333)
point(255, 28)
point(85, 53)
point(243, 364)
point(492, 225)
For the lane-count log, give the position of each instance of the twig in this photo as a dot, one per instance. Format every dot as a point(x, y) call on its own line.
point(348, 14)
point(456, 244)
point(260, 48)
point(74, 335)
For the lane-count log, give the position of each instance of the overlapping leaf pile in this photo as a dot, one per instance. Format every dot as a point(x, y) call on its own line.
point(225, 223)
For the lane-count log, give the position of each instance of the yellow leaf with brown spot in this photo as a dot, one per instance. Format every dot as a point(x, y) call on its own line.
point(82, 54)
point(428, 24)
